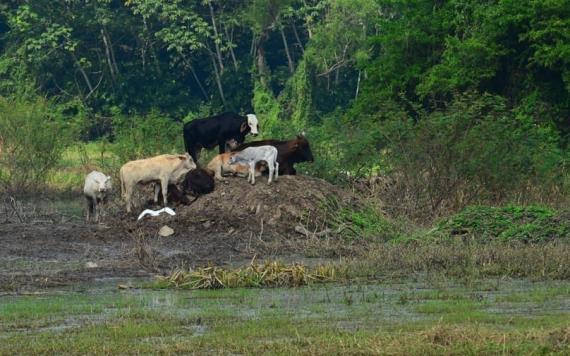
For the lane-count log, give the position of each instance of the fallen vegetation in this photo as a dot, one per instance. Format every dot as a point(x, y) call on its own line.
point(268, 274)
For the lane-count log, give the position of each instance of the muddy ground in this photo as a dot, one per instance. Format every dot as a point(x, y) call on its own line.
point(229, 226)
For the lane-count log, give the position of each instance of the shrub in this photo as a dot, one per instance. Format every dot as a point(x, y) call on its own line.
point(522, 223)
point(33, 136)
point(474, 151)
point(139, 137)
point(360, 222)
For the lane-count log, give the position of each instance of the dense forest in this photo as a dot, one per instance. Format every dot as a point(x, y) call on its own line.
point(452, 102)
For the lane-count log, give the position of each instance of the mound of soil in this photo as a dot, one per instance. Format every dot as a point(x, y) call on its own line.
point(238, 207)
point(238, 220)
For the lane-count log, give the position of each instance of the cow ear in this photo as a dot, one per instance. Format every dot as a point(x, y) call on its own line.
point(301, 135)
point(243, 126)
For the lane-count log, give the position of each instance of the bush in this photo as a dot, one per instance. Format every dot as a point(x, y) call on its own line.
point(33, 136)
point(360, 222)
point(522, 223)
point(140, 137)
point(474, 151)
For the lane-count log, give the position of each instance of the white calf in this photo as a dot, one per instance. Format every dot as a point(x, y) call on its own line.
point(252, 155)
point(97, 187)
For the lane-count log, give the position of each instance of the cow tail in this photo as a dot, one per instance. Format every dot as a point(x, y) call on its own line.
point(123, 188)
point(196, 198)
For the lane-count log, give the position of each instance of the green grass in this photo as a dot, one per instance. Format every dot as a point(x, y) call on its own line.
point(323, 319)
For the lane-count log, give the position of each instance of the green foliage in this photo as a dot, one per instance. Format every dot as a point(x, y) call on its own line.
point(359, 222)
point(476, 139)
point(141, 137)
point(33, 136)
point(460, 102)
point(510, 223)
point(267, 108)
point(296, 100)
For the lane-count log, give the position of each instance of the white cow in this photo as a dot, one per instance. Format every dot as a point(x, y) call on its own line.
point(97, 187)
point(252, 155)
point(163, 169)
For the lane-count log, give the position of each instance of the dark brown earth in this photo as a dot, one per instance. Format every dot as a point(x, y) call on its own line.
point(229, 226)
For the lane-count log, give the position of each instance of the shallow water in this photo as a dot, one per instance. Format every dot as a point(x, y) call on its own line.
point(348, 307)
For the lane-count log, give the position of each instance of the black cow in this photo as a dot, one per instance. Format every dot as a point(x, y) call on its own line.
point(198, 182)
point(289, 152)
point(217, 130)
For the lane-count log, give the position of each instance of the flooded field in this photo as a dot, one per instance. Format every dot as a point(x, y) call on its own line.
point(67, 287)
point(421, 315)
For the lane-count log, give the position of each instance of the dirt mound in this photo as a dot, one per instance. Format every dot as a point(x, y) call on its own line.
point(236, 221)
point(275, 210)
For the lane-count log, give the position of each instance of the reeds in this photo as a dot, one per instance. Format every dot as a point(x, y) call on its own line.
point(268, 274)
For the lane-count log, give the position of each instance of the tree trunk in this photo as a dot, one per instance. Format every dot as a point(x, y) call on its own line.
point(85, 77)
point(230, 38)
point(217, 38)
point(298, 39)
point(108, 55)
point(286, 45)
point(111, 50)
point(218, 79)
point(260, 60)
point(261, 67)
point(357, 85)
point(198, 82)
point(336, 77)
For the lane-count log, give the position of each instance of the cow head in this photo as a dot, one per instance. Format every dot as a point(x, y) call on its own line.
point(104, 185)
point(302, 148)
point(108, 185)
point(187, 161)
point(232, 144)
point(253, 124)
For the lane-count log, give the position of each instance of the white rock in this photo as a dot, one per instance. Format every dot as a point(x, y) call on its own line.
point(165, 231)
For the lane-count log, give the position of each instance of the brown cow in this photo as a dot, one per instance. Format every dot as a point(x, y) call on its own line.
point(289, 152)
point(163, 169)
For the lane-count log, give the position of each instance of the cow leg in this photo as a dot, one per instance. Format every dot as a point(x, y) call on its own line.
point(156, 192)
point(218, 173)
point(276, 170)
point(164, 186)
point(95, 210)
point(271, 171)
point(89, 208)
point(128, 194)
point(288, 169)
point(251, 172)
point(194, 152)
